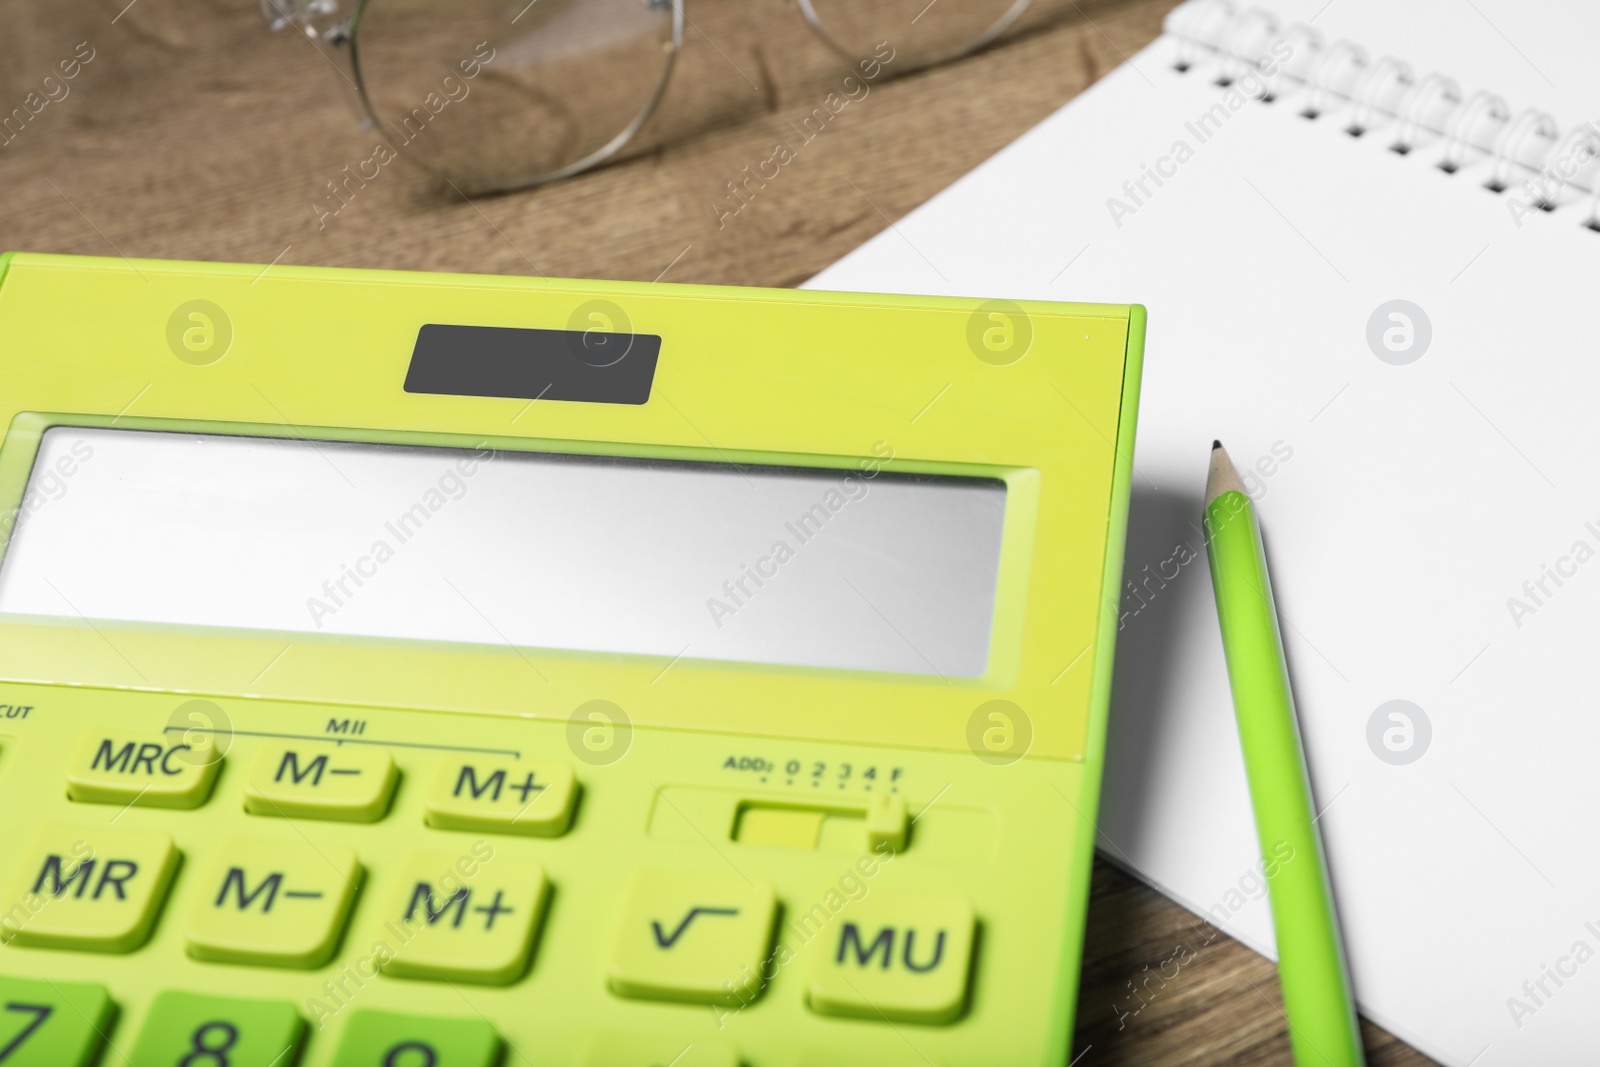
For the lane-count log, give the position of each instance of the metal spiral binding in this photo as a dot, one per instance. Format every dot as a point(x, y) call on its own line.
point(1527, 155)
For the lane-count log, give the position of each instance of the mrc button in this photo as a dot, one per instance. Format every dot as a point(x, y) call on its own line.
point(153, 772)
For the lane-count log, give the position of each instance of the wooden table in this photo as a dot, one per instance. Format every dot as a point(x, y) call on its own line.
point(194, 134)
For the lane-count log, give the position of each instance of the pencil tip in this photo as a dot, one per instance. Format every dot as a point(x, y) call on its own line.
point(1222, 475)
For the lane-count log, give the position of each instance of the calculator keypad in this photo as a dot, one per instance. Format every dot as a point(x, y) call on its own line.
point(97, 889)
point(448, 916)
point(272, 904)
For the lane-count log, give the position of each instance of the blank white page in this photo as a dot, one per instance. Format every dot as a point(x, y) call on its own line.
point(1403, 505)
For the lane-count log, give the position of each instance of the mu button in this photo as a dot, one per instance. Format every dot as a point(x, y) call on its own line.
point(502, 796)
point(696, 938)
point(901, 957)
point(350, 783)
point(272, 904)
point(96, 889)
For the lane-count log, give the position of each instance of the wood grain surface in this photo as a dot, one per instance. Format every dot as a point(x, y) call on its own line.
point(193, 133)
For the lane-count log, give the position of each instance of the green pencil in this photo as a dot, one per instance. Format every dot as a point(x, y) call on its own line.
point(1311, 966)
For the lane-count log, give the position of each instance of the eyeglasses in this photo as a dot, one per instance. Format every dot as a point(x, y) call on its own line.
point(502, 94)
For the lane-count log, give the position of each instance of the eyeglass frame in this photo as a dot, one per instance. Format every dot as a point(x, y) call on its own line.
point(319, 21)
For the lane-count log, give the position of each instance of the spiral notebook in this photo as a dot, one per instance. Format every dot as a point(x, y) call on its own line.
point(1370, 257)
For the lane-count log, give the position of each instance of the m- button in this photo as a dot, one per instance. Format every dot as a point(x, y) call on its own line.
point(902, 957)
point(315, 781)
point(154, 772)
point(501, 796)
point(276, 904)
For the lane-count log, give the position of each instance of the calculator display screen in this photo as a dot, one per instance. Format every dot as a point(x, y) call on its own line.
point(852, 568)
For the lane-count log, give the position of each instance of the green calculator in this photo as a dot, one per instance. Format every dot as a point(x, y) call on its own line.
point(411, 670)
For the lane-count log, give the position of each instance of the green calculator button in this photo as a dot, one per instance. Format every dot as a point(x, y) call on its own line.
point(92, 888)
point(461, 927)
point(614, 1049)
point(701, 939)
point(901, 957)
point(387, 1039)
point(189, 1028)
point(272, 903)
point(51, 1024)
point(503, 797)
point(163, 771)
point(303, 780)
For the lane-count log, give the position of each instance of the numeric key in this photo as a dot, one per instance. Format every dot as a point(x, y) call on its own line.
point(51, 1024)
point(202, 1031)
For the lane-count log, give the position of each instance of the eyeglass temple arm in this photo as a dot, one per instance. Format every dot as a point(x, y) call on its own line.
point(326, 24)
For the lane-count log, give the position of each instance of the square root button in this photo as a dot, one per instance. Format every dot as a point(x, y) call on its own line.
point(898, 956)
point(696, 938)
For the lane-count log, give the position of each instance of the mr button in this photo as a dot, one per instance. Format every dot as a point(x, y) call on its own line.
point(312, 781)
point(502, 797)
point(94, 889)
point(154, 772)
point(900, 957)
